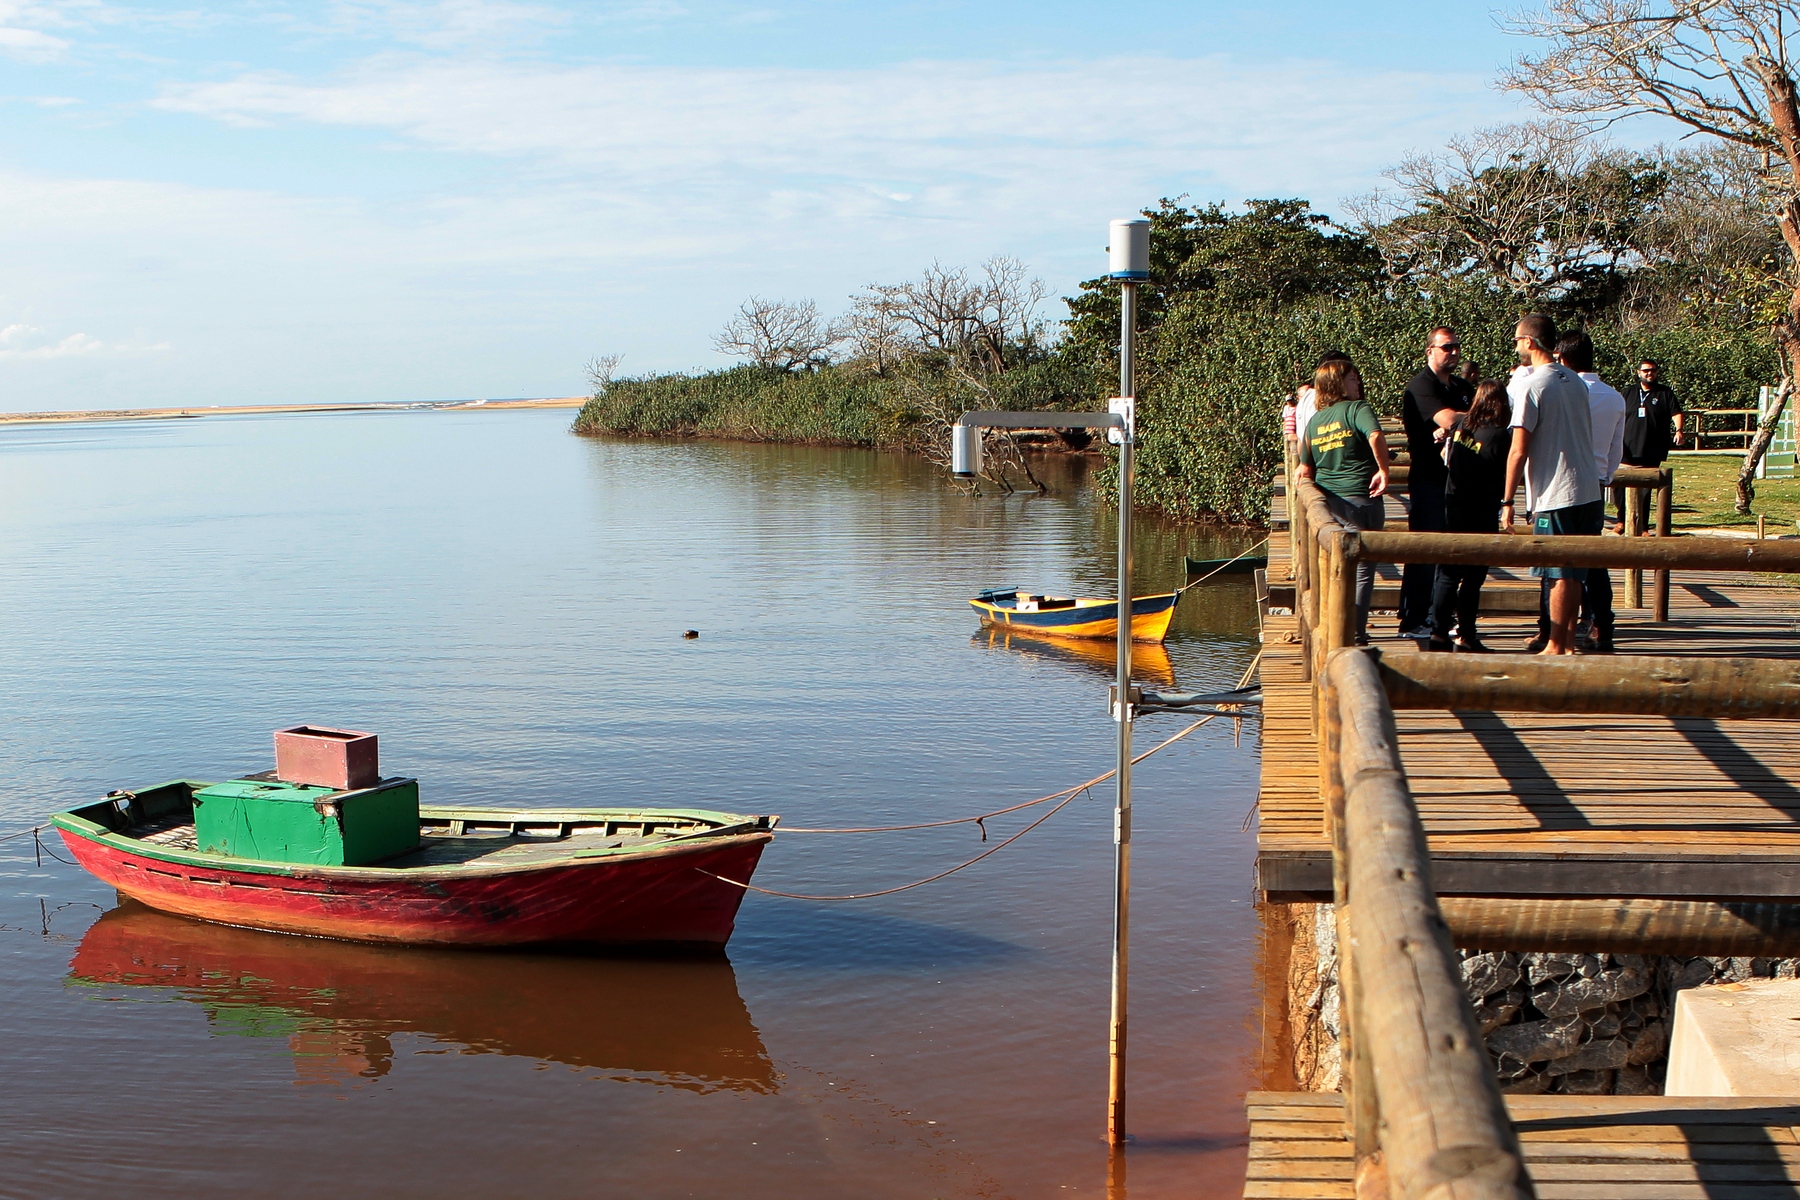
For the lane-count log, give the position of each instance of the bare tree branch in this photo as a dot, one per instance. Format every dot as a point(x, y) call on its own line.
point(1720, 67)
point(786, 335)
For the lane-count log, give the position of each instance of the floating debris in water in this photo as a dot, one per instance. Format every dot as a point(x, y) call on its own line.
point(690, 633)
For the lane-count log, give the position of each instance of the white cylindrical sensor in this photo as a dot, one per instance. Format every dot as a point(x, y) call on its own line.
point(965, 450)
point(1128, 249)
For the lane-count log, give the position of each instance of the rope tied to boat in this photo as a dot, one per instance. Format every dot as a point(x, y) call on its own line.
point(1067, 796)
point(1242, 554)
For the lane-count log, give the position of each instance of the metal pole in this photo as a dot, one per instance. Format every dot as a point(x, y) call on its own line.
point(1115, 1100)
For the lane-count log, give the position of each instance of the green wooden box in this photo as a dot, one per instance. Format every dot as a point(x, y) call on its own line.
point(296, 823)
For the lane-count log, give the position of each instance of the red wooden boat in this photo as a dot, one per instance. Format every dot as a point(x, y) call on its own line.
point(479, 877)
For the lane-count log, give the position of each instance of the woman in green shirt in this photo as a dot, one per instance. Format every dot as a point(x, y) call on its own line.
point(1344, 452)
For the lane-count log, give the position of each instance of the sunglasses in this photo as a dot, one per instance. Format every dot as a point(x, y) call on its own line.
point(1448, 346)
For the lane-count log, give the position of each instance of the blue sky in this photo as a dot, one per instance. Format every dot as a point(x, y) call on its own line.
point(282, 202)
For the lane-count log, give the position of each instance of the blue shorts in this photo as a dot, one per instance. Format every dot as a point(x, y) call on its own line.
point(1578, 520)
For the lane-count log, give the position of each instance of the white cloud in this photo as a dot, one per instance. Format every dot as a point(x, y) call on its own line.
point(970, 133)
point(30, 45)
point(445, 24)
point(21, 341)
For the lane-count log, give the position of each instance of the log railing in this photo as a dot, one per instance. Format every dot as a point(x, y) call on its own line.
point(1422, 1106)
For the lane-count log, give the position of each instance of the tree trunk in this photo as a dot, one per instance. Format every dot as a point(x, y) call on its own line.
point(1784, 115)
point(1765, 433)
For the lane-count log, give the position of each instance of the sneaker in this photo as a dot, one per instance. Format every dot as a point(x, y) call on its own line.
point(1362, 639)
point(1439, 644)
point(1473, 646)
point(1536, 644)
point(1417, 633)
point(1603, 645)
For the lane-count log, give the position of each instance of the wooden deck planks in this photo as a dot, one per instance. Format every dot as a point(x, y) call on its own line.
point(1555, 796)
point(1678, 1147)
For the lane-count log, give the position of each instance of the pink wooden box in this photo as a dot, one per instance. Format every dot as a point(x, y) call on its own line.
point(341, 758)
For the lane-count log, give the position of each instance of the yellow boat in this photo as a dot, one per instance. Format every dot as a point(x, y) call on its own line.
point(1076, 616)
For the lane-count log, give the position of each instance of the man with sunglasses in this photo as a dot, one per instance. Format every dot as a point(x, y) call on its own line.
point(1433, 400)
point(1653, 417)
point(1653, 424)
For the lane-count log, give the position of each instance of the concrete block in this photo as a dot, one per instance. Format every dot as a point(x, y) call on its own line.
point(1736, 1039)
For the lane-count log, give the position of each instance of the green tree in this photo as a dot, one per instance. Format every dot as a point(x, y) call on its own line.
point(1275, 254)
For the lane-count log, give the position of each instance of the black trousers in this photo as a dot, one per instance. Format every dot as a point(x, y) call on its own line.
point(1425, 515)
point(1456, 590)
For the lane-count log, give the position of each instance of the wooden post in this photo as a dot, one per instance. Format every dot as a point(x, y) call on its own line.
point(1300, 525)
point(1634, 578)
point(1442, 1122)
point(1341, 579)
point(1665, 504)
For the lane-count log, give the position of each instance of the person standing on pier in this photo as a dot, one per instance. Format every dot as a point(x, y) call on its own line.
point(1654, 420)
point(1653, 426)
point(1476, 462)
point(1553, 453)
point(1428, 410)
point(1606, 412)
point(1346, 454)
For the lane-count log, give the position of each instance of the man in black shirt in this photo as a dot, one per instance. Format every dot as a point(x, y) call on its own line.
point(1428, 409)
point(1653, 418)
point(1653, 421)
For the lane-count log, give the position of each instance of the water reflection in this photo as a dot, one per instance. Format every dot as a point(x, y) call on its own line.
point(339, 1005)
point(1149, 664)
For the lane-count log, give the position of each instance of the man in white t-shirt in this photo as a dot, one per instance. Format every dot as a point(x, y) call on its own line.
point(1606, 413)
point(1553, 452)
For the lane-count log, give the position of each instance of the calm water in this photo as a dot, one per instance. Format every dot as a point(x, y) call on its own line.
point(502, 602)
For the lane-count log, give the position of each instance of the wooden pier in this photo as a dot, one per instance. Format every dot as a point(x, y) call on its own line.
point(1644, 802)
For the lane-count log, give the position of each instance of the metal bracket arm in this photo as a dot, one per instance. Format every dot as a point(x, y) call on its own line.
point(1042, 420)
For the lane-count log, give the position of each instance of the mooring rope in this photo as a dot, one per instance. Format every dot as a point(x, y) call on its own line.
point(1242, 554)
point(1068, 796)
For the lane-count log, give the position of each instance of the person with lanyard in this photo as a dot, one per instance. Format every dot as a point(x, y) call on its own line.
point(1345, 453)
point(1433, 400)
point(1553, 453)
point(1654, 423)
point(1475, 459)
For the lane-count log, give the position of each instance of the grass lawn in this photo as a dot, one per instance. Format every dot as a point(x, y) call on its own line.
point(1706, 495)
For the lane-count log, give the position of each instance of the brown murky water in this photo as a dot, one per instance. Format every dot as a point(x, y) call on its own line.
point(503, 603)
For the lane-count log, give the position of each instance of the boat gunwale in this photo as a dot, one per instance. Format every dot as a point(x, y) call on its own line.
point(732, 828)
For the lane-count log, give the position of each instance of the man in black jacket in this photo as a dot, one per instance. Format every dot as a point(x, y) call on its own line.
point(1427, 411)
point(1653, 423)
point(1653, 418)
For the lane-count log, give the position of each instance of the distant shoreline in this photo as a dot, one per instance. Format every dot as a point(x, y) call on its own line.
point(240, 410)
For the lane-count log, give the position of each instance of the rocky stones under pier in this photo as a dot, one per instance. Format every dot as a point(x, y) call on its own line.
point(1589, 1024)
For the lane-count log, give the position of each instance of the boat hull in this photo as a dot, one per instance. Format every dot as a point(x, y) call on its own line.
point(659, 896)
point(1150, 617)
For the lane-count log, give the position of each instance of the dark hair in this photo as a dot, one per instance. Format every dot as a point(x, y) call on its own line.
point(1490, 407)
point(1576, 351)
point(1470, 371)
point(1331, 356)
point(1649, 362)
point(1540, 329)
point(1435, 332)
point(1328, 381)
